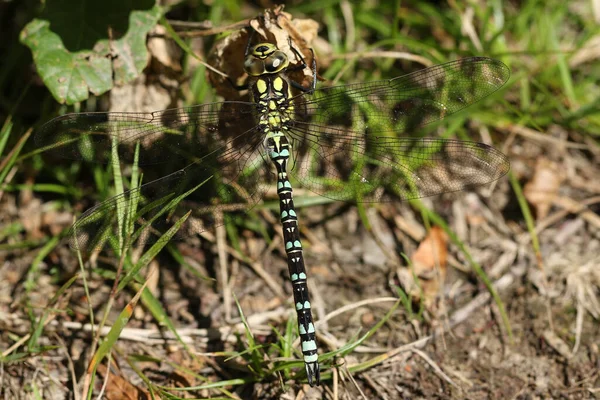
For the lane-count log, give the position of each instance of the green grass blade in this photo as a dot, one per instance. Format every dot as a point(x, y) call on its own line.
point(34, 268)
point(153, 251)
point(114, 333)
point(5, 134)
point(135, 197)
point(7, 164)
point(256, 356)
point(119, 189)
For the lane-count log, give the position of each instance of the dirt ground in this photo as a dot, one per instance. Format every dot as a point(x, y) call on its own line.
point(550, 301)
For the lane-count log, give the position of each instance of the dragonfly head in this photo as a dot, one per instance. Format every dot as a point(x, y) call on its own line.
point(265, 58)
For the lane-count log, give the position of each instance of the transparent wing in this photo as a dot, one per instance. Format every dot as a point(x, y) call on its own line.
point(347, 144)
point(222, 181)
point(214, 149)
point(91, 136)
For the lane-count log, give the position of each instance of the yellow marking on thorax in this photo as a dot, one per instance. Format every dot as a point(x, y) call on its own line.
point(278, 84)
point(261, 85)
point(274, 120)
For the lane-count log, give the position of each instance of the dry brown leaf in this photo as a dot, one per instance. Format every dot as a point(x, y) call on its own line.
point(156, 88)
point(542, 189)
point(274, 26)
point(119, 388)
point(164, 50)
point(183, 376)
point(140, 96)
point(429, 266)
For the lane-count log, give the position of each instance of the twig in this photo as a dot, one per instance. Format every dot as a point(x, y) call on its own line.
point(257, 267)
point(435, 367)
point(70, 366)
point(223, 272)
point(215, 31)
point(384, 54)
point(540, 137)
point(353, 306)
point(458, 317)
point(156, 336)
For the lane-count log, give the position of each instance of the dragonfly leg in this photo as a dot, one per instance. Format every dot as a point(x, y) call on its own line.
point(300, 67)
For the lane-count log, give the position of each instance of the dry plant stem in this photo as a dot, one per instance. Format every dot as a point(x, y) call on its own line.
point(335, 380)
point(308, 235)
point(216, 31)
point(576, 207)
point(257, 267)
point(532, 134)
point(435, 367)
point(578, 327)
point(70, 365)
point(457, 318)
point(264, 275)
point(318, 304)
point(376, 235)
point(348, 15)
point(200, 25)
point(585, 184)
point(107, 378)
point(463, 313)
point(258, 323)
point(96, 339)
point(461, 377)
point(349, 375)
point(560, 215)
point(353, 306)
point(375, 386)
point(223, 273)
point(467, 27)
point(25, 338)
point(399, 55)
point(557, 343)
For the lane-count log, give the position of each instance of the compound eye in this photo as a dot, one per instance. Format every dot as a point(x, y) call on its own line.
point(253, 66)
point(276, 63)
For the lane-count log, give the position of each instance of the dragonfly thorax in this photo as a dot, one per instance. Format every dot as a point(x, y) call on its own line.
point(271, 93)
point(269, 86)
point(265, 58)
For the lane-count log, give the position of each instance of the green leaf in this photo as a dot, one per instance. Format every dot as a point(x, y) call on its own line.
point(72, 49)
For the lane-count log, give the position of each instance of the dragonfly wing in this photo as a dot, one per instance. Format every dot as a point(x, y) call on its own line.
point(405, 103)
point(347, 143)
point(91, 136)
point(221, 179)
point(364, 169)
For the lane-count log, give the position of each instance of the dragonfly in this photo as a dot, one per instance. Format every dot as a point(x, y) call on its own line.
point(341, 142)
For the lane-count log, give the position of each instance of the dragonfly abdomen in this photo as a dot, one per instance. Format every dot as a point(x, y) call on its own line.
point(278, 148)
point(271, 92)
